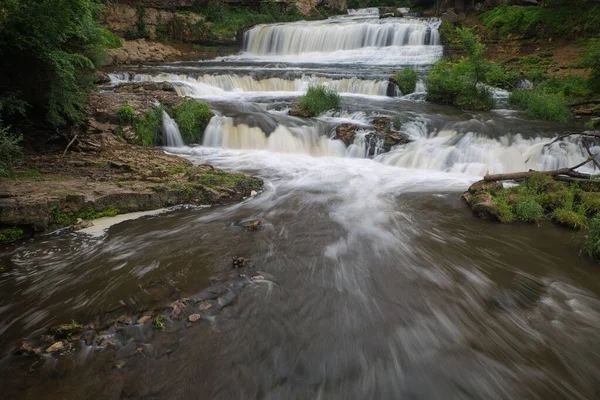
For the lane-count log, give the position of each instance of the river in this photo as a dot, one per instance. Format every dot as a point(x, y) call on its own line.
point(378, 282)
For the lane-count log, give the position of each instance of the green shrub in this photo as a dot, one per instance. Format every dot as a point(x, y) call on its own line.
point(529, 210)
point(570, 218)
point(590, 201)
point(111, 41)
point(148, 126)
point(504, 211)
point(406, 79)
point(192, 117)
point(10, 235)
point(501, 77)
point(541, 105)
point(126, 114)
point(57, 46)
point(571, 87)
point(10, 150)
point(592, 243)
point(460, 83)
point(319, 99)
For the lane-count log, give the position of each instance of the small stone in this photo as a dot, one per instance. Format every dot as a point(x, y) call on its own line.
point(47, 338)
point(205, 305)
point(119, 364)
point(125, 319)
point(55, 347)
point(238, 262)
point(258, 278)
point(194, 317)
point(144, 319)
point(25, 347)
point(253, 226)
point(253, 193)
point(74, 338)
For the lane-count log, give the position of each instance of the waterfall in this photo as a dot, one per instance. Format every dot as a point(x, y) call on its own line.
point(306, 37)
point(171, 135)
point(224, 85)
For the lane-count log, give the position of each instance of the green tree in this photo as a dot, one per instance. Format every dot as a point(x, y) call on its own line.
point(49, 50)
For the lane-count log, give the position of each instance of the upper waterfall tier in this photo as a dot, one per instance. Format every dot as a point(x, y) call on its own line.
point(331, 36)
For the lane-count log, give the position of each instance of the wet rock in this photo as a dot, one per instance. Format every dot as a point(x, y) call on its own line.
point(119, 364)
point(484, 186)
point(88, 337)
point(258, 278)
point(296, 111)
point(105, 340)
point(135, 51)
point(194, 317)
point(227, 299)
point(204, 305)
point(177, 306)
point(346, 133)
point(482, 204)
point(253, 225)
point(26, 348)
point(55, 347)
point(142, 320)
point(74, 338)
point(238, 262)
point(141, 87)
point(395, 138)
point(253, 193)
point(125, 319)
point(126, 351)
point(82, 224)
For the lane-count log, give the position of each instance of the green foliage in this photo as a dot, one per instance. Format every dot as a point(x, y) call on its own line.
point(227, 20)
point(9, 235)
point(148, 126)
point(158, 323)
point(550, 21)
point(110, 40)
point(459, 83)
point(569, 218)
point(10, 150)
point(406, 79)
point(501, 77)
point(571, 87)
point(56, 45)
point(126, 114)
point(319, 99)
point(590, 201)
point(192, 117)
point(528, 209)
point(592, 243)
point(541, 105)
point(62, 218)
point(504, 211)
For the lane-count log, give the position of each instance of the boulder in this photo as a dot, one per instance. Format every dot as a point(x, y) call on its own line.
point(139, 51)
point(346, 133)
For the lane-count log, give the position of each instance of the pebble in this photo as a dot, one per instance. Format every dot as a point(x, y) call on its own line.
point(55, 347)
point(194, 317)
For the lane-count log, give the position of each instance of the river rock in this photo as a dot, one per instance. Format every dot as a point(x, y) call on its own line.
point(346, 133)
point(142, 320)
point(194, 317)
point(482, 204)
point(238, 262)
point(139, 51)
point(484, 186)
point(55, 347)
point(296, 111)
point(25, 347)
point(253, 225)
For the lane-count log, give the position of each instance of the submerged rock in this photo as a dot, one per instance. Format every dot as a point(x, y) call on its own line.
point(194, 317)
point(55, 347)
point(253, 225)
point(238, 262)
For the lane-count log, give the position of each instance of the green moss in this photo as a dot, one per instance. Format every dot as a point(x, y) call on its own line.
point(158, 323)
point(9, 235)
point(319, 99)
point(192, 116)
point(62, 218)
point(65, 329)
point(216, 178)
point(406, 79)
point(503, 211)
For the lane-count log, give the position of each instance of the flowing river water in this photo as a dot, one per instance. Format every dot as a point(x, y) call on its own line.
point(378, 283)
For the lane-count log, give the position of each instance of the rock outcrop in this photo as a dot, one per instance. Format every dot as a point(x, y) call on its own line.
point(137, 51)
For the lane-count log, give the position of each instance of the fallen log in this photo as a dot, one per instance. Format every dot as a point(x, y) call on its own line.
point(584, 103)
point(567, 172)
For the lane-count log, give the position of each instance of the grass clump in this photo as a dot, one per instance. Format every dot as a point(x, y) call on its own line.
point(62, 218)
point(541, 105)
point(569, 218)
point(158, 323)
point(462, 83)
point(319, 99)
point(592, 243)
point(529, 210)
point(406, 79)
point(126, 114)
point(192, 117)
point(216, 178)
point(148, 126)
point(111, 41)
point(590, 201)
point(504, 211)
point(10, 150)
point(9, 235)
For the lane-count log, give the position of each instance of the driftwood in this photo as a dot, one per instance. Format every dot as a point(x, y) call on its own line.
point(562, 174)
point(69, 145)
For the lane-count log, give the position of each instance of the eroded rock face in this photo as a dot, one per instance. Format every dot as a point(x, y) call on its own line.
point(384, 128)
point(137, 51)
point(346, 133)
point(480, 198)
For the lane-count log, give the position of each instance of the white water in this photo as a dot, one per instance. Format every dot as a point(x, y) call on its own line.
point(171, 135)
point(310, 37)
point(232, 85)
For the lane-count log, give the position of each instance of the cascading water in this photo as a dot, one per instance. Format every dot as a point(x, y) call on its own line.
point(171, 135)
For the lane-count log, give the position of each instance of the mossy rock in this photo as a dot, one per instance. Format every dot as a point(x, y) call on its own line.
point(66, 329)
